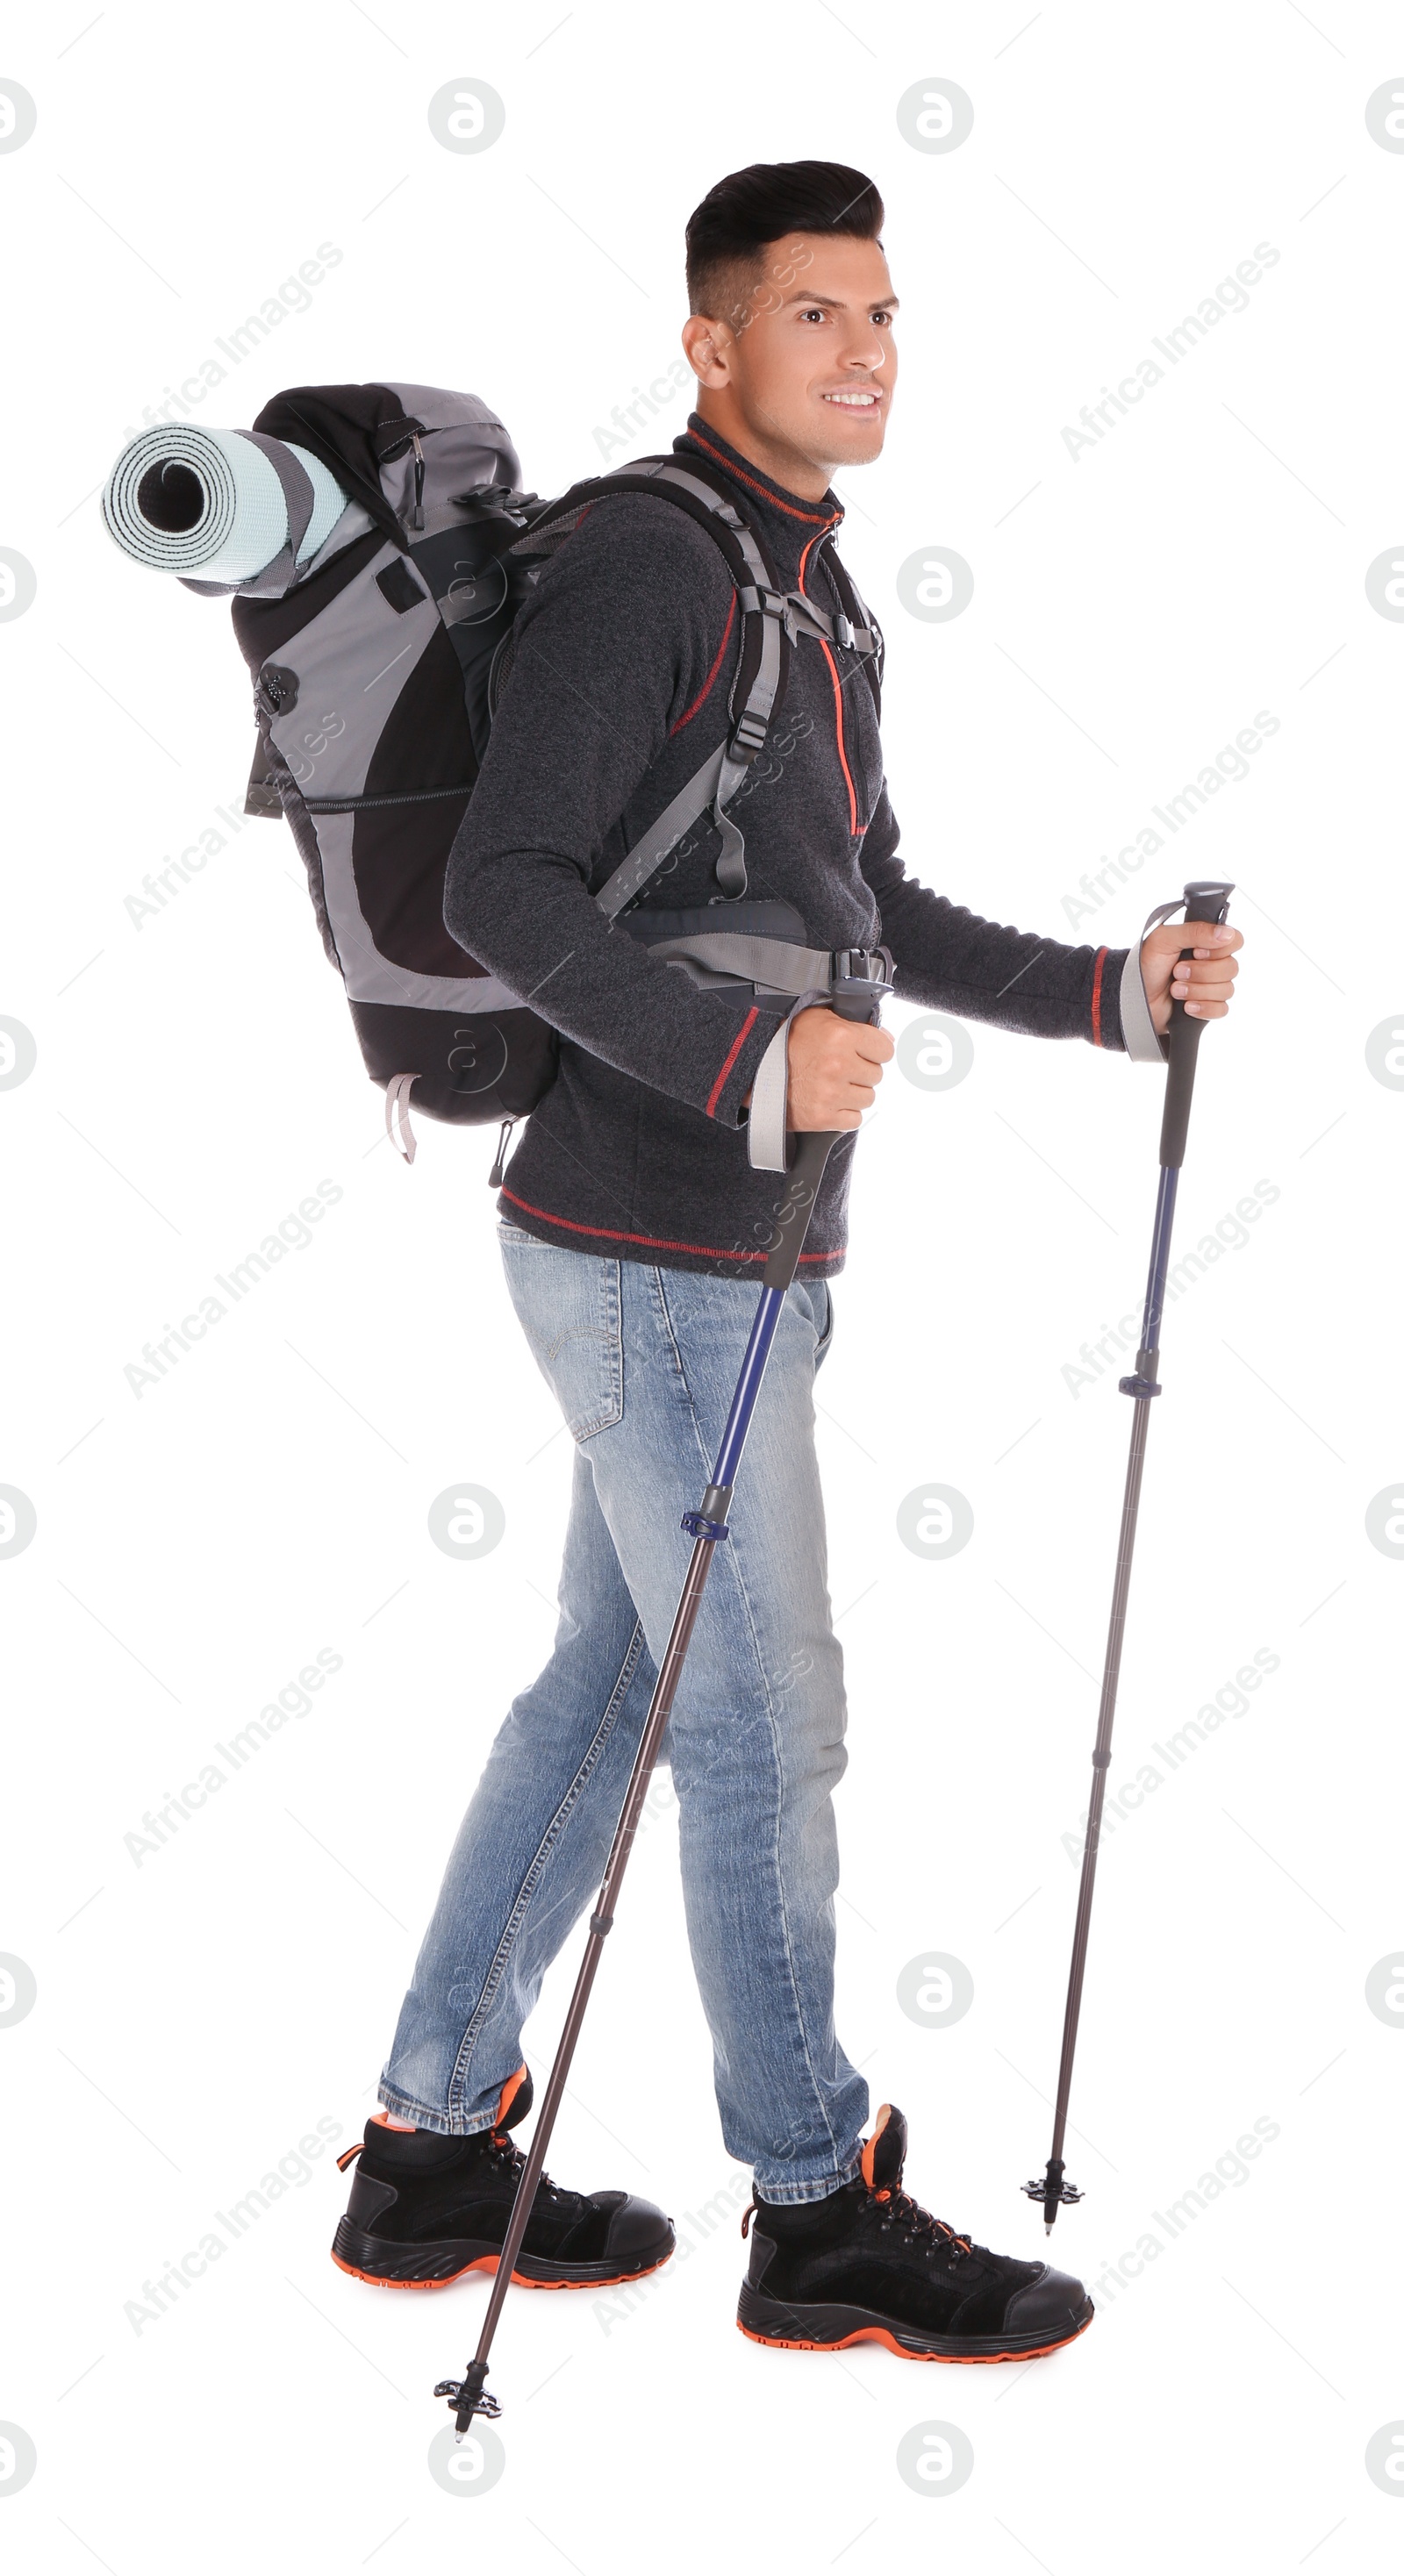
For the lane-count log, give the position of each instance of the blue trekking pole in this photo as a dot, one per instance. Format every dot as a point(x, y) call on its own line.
point(854, 998)
point(1202, 902)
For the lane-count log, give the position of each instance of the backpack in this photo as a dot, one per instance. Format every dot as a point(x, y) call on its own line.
point(378, 666)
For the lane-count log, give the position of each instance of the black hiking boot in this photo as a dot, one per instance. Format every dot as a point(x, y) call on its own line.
point(869, 2265)
point(425, 2208)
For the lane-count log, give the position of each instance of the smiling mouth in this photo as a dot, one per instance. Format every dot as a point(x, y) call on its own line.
point(867, 400)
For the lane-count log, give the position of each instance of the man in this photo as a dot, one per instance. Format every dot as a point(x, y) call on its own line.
point(631, 1220)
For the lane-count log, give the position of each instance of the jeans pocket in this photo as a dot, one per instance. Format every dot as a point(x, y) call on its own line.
point(822, 1295)
point(568, 1305)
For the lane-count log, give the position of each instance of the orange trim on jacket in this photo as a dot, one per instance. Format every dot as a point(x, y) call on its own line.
point(838, 700)
point(1101, 959)
point(737, 1043)
point(655, 1242)
point(706, 689)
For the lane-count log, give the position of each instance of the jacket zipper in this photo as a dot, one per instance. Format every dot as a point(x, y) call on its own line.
point(853, 827)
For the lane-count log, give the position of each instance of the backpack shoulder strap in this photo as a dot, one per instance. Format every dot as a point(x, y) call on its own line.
point(763, 668)
point(864, 633)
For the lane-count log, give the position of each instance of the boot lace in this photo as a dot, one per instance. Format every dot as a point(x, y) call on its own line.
point(900, 2210)
point(502, 2148)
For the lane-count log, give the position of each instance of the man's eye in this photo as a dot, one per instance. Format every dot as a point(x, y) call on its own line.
point(813, 313)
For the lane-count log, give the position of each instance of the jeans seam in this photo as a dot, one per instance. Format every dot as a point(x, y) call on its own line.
point(536, 1867)
point(778, 1772)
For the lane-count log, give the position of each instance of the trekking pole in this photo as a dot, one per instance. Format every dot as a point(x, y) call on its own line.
point(1202, 902)
point(854, 998)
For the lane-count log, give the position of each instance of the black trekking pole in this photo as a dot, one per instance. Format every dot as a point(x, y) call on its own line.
point(1202, 902)
point(854, 998)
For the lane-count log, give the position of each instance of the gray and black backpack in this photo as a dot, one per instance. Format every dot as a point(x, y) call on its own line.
point(378, 661)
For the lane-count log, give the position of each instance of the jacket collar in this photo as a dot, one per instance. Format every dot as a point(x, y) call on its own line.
point(803, 519)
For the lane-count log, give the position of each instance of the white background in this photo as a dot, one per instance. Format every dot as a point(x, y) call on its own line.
point(197, 1076)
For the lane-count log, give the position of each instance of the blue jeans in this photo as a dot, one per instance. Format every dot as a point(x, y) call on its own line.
point(643, 1362)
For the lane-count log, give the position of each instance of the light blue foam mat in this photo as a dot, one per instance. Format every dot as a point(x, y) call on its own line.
point(208, 504)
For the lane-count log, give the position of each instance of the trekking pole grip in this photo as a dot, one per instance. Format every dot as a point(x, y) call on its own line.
point(1203, 902)
point(853, 998)
point(797, 1206)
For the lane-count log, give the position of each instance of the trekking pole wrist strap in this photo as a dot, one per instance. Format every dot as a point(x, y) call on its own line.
point(858, 979)
point(1144, 1045)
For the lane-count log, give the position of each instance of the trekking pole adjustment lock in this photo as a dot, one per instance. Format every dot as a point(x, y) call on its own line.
point(709, 1520)
point(1144, 1382)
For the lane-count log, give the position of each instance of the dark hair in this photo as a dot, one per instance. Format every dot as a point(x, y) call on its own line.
point(753, 207)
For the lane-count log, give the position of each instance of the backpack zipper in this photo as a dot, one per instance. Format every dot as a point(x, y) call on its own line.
point(495, 1175)
point(417, 515)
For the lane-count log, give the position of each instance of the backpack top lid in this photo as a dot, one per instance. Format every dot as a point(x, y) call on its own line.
point(365, 435)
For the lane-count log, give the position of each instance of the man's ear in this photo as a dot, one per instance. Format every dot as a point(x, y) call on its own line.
point(707, 348)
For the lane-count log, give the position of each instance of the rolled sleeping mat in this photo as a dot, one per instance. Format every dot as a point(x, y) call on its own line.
point(219, 506)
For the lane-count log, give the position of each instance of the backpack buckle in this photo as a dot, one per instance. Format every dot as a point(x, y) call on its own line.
point(843, 631)
point(749, 735)
point(864, 966)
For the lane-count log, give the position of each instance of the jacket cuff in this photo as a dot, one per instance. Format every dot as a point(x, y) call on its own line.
point(738, 1067)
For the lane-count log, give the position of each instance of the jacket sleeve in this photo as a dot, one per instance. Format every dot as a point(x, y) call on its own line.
point(622, 633)
point(948, 958)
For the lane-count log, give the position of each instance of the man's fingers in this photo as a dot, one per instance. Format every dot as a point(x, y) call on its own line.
point(1218, 935)
point(835, 1066)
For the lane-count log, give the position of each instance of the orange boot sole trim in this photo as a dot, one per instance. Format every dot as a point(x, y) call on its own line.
point(879, 2334)
point(488, 2263)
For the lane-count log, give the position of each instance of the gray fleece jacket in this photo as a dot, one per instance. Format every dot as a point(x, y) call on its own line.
point(626, 652)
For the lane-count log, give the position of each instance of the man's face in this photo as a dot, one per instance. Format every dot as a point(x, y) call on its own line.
point(809, 358)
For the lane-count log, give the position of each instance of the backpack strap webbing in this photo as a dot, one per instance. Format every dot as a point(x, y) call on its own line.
point(758, 688)
point(771, 621)
point(866, 633)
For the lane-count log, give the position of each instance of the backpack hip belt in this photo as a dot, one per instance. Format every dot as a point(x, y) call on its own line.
point(775, 969)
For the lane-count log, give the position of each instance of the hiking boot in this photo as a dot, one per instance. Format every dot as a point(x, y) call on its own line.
point(425, 2209)
point(869, 2265)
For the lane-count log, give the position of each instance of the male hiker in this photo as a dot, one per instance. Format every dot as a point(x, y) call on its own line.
point(631, 1216)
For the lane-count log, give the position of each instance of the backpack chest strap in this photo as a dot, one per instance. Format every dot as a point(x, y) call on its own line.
point(802, 616)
